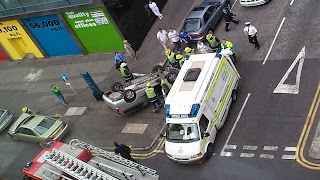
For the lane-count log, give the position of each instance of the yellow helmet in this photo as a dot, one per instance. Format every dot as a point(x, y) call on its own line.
point(208, 36)
point(24, 109)
point(179, 56)
point(149, 84)
point(167, 52)
point(187, 49)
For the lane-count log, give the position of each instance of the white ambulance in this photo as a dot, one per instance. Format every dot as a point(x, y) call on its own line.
point(197, 106)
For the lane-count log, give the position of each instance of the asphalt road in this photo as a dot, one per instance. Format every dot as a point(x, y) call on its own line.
point(269, 120)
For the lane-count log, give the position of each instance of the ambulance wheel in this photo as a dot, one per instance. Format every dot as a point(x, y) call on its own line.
point(234, 95)
point(172, 75)
point(157, 68)
point(129, 95)
point(116, 86)
point(209, 152)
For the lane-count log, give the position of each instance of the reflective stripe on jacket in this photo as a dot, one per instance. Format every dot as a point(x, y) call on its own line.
point(150, 92)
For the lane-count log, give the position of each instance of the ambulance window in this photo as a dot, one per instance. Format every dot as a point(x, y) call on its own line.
point(203, 123)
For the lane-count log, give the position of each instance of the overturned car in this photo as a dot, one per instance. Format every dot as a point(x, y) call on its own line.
point(127, 98)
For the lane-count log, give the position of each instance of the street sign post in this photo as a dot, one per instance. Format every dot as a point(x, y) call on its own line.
point(65, 79)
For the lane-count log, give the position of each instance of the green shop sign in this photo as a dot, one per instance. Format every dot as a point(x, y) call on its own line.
point(94, 30)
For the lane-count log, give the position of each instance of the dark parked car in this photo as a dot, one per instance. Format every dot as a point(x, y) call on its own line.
point(204, 17)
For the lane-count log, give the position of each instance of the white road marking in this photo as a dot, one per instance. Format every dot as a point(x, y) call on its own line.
point(288, 157)
point(270, 148)
point(291, 2)
point(248, 155)
point(274, 40)
point(158, 151)
point(292, 149)
point(266, 156)
point(252, 148)
point(231, 147)
point(233, 3)
point(287, 88)
point(226, 154)
point(235, 123)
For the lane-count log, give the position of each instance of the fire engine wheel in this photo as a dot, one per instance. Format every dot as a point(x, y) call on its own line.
point(209, 152)
point(157, 68)
point(129, 95)
point(116, 86)
point(172, 75)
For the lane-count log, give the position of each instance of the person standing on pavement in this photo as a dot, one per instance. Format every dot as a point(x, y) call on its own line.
point(175, 39)
point(153, 6)
point(148, 10)
point(119, 57)
point(189, 52)
point(228, 17)
point(125, 73)
point(251, 32)
point(162, 36)
point(123, 150)
point(57, 92)
point(129, 50)
point(153, 98)
point(185, 37)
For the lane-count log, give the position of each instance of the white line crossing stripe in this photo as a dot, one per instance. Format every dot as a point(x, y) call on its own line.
point(252, 148)
point(292, 149)
point(270, 148)
point(288, 157)
point(226, 154)
point(248, 155)
point(266, 156)
point(231, 147)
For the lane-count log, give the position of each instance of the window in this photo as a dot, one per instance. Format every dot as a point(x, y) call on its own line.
point(44, 125)
point(206, 17)
point(25, 131)
point(211, 9)
point(192, 25)
point(203, 123)
point(182, 132)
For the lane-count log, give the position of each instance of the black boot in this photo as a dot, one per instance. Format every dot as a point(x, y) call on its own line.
point(227, 25)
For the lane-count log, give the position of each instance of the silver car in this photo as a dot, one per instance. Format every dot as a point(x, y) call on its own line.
point(5, 119)
point(204, 17)
point(128, 98)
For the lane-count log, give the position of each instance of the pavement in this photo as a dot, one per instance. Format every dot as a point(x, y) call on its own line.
point(314, 151)
point(26, 83)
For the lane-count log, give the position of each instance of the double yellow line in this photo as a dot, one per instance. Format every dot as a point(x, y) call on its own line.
point(150, 154)
point(305, 133)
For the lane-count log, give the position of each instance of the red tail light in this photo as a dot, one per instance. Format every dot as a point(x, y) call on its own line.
point(199, 35)
point(117, 110)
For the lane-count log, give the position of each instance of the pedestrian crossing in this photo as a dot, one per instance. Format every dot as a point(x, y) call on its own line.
point(261, 152)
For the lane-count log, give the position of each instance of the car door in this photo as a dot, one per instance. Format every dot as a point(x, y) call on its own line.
point(25, 134)
point(215, 15)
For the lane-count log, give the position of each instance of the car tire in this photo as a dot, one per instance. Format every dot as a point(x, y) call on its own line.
point(15, 138)
point(172, 75)
point(129, 95)
point(209, 152)
point(116, 86)
point(157, 68)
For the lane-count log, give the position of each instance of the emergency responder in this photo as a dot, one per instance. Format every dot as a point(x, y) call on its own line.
point(152, 96)
point(189, 52)
point(28, 110)
point(166, 86)
point(180, 59)
point(228, 44)
point(214, 42)
point(125, 73)
point(171, 56)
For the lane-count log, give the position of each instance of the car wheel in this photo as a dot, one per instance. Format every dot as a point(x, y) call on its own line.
point(157, 68)
point(209, 152)
point(172, 75)
point(15, 138)
point(129, 95)
point(234, 95)
point(116, 86)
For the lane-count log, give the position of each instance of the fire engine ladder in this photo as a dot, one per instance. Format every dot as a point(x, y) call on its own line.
point(49, 174)
point(75, 167)
point(115, 158)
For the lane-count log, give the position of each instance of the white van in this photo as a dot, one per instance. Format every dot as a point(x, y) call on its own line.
point(197, 106)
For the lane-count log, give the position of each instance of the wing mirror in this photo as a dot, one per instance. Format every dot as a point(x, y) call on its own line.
point(162, 135)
